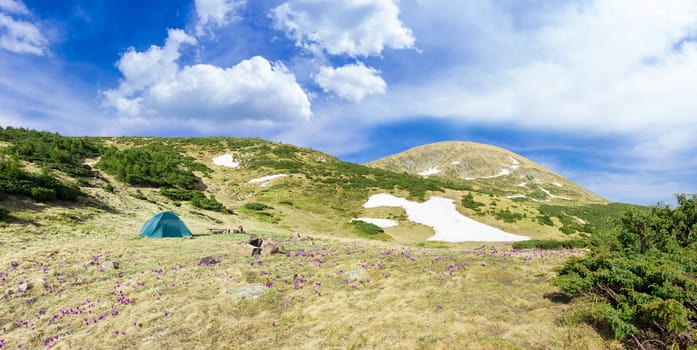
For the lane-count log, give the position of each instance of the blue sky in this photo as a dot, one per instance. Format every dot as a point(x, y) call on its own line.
point(603, 92)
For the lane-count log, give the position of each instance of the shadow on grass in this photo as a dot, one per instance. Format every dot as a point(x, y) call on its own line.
point(558, 297)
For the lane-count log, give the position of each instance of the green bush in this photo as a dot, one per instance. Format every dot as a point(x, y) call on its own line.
point(549, 244)
point(256, 206)
point(4, 213)
point(366, 227)
point(42, 187)
point(469, 202)
point(177, 194)
point(152, 165)
point(52, 151)
point(545, 220)
point(43, 194)
point(199, 200)
point(643, 281)
point(509, 216)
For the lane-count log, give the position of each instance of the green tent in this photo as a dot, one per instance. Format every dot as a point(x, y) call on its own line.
point(165, 224)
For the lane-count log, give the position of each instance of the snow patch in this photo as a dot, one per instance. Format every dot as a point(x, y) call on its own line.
point(516, 196)
point(447, 223)
point(383, 223)
point(556, 184)
point(266, 178)
point(226, 160)
point(554, 195)
point(430, 171)
point(514, 163)
point(456, 163)
point(502, 172)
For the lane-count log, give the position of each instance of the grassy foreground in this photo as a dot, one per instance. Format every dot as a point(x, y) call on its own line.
point(330, 293)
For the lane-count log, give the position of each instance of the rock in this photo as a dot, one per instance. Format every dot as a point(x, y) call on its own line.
point(110, 265)
point(255, 241)
point(24, 287)
point(354, 274)
point(14, 263)
point(209, 260)
point(249, 291)
point(269, 247)
point(295, 236)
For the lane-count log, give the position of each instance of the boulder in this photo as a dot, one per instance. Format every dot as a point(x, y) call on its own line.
point(269, 247)
point(108, 264)
point(354, 274)
point(24, 287)
point(209, 260)
point(249, 291)
point(255, 243)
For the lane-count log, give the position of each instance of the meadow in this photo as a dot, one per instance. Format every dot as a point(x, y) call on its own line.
point(324, 293)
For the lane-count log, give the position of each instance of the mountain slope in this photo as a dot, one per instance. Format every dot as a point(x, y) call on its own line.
point(225, 182)
point(487, 168)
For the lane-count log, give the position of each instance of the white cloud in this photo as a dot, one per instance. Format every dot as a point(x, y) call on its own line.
point(216, 13)
point(645, 188)
point(14, 6)
point(597, 67)
point(351, 27)
point(352, 82)
point(155, 86)
point(143, 69)
point(43, 97)
point(17, 35)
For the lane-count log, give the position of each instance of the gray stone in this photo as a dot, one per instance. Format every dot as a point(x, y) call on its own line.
point(269, 247)
point(249, 291)
point(354, 274)
point(110, 265)
point(209, 260)
point(24, 287)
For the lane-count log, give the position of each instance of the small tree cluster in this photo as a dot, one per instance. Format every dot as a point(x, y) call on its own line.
point(644, 282)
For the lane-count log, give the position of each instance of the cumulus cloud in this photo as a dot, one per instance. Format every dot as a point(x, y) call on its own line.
point(156, 86)
point(216, 13)
point(352, 82)
point(18, 35)
point(14, 6)
point(600, 67)
point(352, 27)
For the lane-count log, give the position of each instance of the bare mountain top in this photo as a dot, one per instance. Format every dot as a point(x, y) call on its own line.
point(488, 168)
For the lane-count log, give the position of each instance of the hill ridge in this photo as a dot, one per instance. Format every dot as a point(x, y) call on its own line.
point(487, 167)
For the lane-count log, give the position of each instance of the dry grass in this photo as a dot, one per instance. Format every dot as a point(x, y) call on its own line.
point(456, 297)
point(405, 297)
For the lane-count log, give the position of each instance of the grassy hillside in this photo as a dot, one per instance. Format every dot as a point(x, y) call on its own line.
point(341, 286)
point(488, 169)
point(318, 194)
